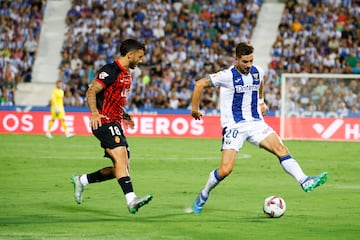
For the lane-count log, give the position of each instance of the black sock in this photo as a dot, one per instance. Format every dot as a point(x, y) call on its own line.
point(98, 177)
point(125, 184)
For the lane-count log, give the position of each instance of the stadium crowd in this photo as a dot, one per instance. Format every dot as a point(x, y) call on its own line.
point(190, 38)
point(317, 37)
point(20, 25)
point(183, 39)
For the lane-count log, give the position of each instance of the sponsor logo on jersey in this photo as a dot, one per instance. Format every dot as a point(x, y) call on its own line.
point(247, 88)
point(255, 76)
point(103, 75)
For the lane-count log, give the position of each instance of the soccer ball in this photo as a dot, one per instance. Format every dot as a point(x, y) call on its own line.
point(274, 206)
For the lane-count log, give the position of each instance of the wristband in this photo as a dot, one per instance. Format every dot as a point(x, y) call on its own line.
point(261, 101)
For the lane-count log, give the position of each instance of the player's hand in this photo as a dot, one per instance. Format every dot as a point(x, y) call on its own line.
point(196, 114)
point(126, 116)
point(95, 120)
point(263, 108)
point(129, 123)
point(128, 120)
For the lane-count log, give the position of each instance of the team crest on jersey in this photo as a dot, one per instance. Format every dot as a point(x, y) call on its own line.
point(117, 139)
point(103, 75)
point(227, 141)
point(255, 76)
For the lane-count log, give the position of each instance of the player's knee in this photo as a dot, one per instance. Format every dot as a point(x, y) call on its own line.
point(281, 150)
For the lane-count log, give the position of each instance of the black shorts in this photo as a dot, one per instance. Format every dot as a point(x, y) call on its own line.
point(111, 135)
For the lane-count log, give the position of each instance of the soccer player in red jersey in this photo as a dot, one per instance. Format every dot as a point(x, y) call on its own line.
point(106, 99)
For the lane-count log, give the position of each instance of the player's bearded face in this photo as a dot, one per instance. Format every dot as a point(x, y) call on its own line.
point(244, 63)
point(132, 64)
point(136, 58)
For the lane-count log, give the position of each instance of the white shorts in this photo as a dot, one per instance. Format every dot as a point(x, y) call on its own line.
point(254, 132)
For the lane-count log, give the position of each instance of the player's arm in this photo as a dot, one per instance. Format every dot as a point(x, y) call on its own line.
point(198, 89)
point(95, 119)
point(262, 104)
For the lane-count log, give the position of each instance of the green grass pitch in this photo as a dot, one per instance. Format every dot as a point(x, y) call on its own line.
point(36, 200)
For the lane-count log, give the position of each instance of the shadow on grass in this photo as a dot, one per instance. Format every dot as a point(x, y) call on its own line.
point(83, 214)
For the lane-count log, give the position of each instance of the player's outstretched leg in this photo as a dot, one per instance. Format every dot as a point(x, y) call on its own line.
point(199, 203)
point(138, 202)
point(313, 182)
point(78, 188)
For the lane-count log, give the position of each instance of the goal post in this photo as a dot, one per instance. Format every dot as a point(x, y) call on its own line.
point(310, 103)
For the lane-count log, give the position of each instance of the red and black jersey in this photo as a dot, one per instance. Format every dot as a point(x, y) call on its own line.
point(116, 81)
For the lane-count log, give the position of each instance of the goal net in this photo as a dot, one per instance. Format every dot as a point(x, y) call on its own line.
point(320, 106)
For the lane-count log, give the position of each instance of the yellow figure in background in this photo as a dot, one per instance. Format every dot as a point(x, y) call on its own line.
point(57, 109)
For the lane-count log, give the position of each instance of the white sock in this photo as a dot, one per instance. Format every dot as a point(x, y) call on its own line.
point(84, 180)
point(211, 183)
point(292, 167)
point(130, 197)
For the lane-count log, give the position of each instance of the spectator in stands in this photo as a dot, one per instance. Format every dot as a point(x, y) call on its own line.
point(77, 100)
point(90, 73)
point(100, 61)
point(31, 46)
point(173, 101)
point(148, 104)
point(334, 44)
point(67, 73)
point(320, 87)
point(82, 87)
point(207, 101)
point(161, 101)
point(305, 96)
point(75, 61)
point(137, 102)
point(356, 69)
point(67, 97)
point(271, 98)
point(184, 97)
point(352, 60)
point(72, 14)
point(8, 86)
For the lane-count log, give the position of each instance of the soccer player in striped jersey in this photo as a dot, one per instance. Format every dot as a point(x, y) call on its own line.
point(242, 107)
point(106, 99)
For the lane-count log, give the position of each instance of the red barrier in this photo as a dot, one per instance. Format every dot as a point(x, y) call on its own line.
point(341, 129)
point(169, 125)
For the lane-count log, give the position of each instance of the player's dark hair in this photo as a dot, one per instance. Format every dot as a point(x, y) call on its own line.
point(244, 48)
point(129, 45)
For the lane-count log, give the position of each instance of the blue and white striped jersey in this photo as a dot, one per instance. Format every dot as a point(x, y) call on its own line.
point(239, 95)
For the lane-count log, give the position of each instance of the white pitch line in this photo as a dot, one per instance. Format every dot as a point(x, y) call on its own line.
point(345, 186)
